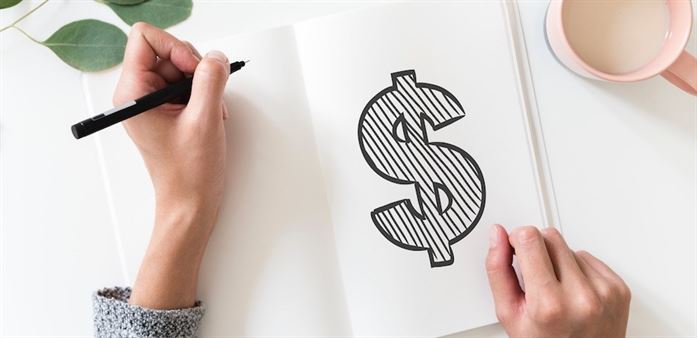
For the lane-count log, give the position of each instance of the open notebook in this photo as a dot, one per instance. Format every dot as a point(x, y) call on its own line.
point(370, 153)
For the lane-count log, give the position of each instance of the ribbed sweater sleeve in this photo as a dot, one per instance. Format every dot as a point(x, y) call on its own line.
point(114, 317)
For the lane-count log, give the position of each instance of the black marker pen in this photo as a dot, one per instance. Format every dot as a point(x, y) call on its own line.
point(179, 89)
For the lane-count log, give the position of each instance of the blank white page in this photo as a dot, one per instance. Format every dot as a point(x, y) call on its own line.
point(463, 48)
point(271, 266)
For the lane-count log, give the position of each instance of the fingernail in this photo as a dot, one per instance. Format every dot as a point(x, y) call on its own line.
point(493, 236)
point(217, 55)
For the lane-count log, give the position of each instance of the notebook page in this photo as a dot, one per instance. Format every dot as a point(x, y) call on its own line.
point(270, 267)
point(462, 51)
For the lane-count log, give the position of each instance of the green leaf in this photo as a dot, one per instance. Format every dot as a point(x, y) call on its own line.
point(88, 45)
point(160, 13)
point(125, 2)
point(8, 3)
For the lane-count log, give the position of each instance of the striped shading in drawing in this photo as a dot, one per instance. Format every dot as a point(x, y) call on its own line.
point(449, 185)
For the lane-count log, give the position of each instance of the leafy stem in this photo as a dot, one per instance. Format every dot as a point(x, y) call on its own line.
point(27, 35)
point(93, 45)
point(13, 24)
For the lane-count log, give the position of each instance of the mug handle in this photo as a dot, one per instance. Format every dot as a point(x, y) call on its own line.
point(683, 73)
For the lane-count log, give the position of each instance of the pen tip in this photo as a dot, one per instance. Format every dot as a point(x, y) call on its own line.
point(247, 61)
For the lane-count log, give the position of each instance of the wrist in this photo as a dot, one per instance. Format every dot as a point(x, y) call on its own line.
point(186, 209)
point(184, 225)
point(169, 272)
point(185, 212)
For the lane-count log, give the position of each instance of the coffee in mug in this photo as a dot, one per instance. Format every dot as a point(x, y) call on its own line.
point(624, 40)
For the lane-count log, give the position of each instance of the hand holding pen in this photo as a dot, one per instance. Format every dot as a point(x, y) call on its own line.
point(183, 147)
point(178, 90)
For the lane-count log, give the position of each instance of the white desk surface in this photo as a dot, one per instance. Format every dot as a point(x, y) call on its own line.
point(623, 158)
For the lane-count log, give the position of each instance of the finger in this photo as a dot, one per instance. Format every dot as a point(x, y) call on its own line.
point(599, 266)
point(535, 264)
point(133, 85)
point(591, 274)
point(601, 285)
point(194, 50)
point(503, 281)
point(563, 260)
point(146, 43)
point(168, 71)
point(209, 82)
point(607, 282)
point(226, 113)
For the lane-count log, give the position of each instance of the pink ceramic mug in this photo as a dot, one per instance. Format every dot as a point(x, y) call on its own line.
point(672, 61)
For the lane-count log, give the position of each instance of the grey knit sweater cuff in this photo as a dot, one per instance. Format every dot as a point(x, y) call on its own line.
point(114, 317)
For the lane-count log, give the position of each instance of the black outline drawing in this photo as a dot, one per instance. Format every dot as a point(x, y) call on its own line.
point(393, 138)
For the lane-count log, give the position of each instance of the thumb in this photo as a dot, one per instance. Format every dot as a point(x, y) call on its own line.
point(208, 85)
point(502, 278)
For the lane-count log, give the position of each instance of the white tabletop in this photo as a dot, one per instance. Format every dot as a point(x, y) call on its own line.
point(623, 160)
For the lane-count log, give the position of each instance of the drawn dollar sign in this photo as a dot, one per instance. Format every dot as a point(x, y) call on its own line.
point(449, 184)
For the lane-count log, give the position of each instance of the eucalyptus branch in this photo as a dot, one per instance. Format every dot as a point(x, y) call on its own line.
point(92, 45)
point(27, 35)
point(22, 18)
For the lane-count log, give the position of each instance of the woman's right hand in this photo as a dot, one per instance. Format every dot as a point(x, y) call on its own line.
point(183, 147)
